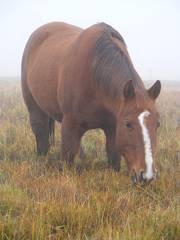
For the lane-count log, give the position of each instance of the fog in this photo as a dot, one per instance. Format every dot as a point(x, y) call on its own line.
point(151, 30)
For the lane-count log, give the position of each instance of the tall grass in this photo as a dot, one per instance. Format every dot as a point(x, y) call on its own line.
point(37, 201)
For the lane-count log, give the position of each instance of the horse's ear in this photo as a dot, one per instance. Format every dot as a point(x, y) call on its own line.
point(129, 91)
point(154, 91)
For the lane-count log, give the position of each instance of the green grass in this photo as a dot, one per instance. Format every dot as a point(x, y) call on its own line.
point(90, 202)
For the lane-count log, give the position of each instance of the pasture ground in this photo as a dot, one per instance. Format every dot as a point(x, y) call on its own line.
point(90, 202)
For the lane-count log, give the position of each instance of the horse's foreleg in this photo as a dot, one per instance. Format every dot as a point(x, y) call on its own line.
point(70, 133)
point(113, 155)
point(39, 124)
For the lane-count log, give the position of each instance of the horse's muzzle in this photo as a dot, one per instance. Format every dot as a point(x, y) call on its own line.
point(140, 179)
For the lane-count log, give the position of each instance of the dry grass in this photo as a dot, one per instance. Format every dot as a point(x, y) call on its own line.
point(90, 201)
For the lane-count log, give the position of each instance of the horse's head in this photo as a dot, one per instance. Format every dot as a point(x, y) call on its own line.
point(138, 121)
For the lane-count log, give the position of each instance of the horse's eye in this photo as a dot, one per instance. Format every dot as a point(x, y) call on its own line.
point(158, 125)
point(129, 125)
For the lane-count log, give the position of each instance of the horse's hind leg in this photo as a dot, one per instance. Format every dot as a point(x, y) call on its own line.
point(40, 127)
point(82, 154)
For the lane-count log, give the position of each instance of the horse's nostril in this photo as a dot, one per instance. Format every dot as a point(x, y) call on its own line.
point(142, 178)
point(134, 178)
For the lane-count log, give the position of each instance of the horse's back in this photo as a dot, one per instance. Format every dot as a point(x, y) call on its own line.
point(43, 56)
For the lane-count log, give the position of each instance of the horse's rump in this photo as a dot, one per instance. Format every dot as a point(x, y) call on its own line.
point(43, 61)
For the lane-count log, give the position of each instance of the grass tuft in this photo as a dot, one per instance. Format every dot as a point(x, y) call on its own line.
point(37, 201)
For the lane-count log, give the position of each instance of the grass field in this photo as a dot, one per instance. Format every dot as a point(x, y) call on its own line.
point(90, 202)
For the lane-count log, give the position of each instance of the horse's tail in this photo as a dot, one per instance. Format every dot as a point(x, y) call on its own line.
point(51, 131)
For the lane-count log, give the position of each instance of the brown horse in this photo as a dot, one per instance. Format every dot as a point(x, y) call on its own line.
point(85, 79)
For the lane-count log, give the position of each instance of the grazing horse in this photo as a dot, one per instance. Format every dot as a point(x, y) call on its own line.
point(85, 79)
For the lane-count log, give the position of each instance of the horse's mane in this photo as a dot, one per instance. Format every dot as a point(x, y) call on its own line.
point(110, 30)
point(111, 65)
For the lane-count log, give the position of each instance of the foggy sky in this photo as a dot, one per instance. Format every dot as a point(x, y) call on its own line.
point(151, 30)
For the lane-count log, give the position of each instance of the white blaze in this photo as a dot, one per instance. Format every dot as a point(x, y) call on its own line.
point(147, 145)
